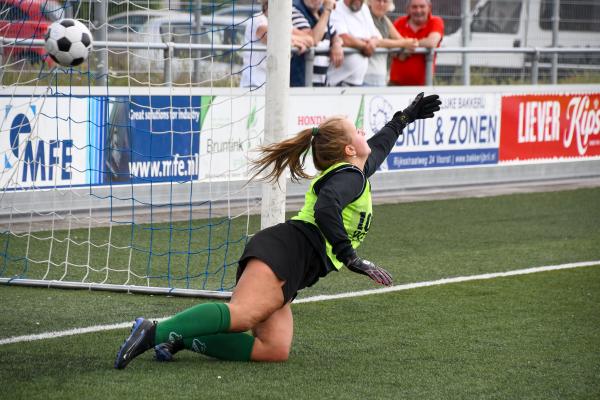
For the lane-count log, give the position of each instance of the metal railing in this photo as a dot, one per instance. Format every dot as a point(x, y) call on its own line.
point(170, 47)
point(536, 52)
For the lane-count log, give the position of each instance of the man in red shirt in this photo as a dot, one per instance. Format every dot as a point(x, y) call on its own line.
point(409, 69)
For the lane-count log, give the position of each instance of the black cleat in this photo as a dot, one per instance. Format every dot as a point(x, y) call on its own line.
point(140, 340)
point(165, 351)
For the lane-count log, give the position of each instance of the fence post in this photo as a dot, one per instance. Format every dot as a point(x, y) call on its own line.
point(429, 67)
point(555, 26)
point(466, 34)
point(168, 68)
point(197, 39)
point(100, 15)
point(535, 67)
point(309, 61)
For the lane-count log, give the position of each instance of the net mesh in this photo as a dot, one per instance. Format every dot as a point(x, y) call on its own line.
point(131, 168)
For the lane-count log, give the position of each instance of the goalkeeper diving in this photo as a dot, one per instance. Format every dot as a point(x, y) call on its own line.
point(281, 260)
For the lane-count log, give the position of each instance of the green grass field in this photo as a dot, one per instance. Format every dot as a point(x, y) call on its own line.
point(525, 337)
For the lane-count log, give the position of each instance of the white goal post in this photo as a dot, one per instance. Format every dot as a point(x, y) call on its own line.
point(277, 102)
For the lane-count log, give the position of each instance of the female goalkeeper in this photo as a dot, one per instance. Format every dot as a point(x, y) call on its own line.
point(283, 259)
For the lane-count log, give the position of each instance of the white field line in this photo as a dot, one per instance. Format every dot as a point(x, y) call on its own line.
point(445, 281)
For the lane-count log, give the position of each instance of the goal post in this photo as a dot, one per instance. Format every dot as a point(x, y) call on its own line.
point(277, 102)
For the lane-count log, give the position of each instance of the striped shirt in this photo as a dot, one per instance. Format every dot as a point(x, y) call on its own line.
point(322, 61)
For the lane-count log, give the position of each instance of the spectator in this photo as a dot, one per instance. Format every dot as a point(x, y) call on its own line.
point(354, 24)
point(254, 72)
point(377, 73)
point(313, 18)
point(409, 69)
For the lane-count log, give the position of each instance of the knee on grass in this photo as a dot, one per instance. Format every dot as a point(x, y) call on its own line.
point(270, 353)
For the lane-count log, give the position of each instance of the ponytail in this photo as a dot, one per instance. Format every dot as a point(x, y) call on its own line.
point(290, 152)
point(327, 142)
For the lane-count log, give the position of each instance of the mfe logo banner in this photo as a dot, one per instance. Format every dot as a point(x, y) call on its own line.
point(43, 142)
point(550, 126)
point(152, 139)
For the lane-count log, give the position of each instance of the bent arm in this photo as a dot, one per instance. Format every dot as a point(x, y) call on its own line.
point(395, 43)
point(261, 33)
point(318, 31)
point(302, 38)
point(396, 40)
point(354, 42)
point(431, 41)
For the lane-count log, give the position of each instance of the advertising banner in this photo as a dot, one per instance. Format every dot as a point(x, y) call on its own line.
point(61, 141)
point(46, 141)
point(152, 139)
point(550, 126)
point(464, 132)
point(231, 128)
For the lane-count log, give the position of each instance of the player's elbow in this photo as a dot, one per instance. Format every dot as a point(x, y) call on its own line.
point(319, 216)
point(323, 215)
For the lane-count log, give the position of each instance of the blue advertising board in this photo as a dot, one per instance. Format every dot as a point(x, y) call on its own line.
point(152, 139)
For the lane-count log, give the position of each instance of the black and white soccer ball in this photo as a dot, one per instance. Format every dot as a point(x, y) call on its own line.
point(68, 42)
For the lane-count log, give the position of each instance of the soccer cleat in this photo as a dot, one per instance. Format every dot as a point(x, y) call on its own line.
point(165, 351)
point(140, 340)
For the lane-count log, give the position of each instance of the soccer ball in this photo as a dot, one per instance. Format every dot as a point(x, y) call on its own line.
point(68, 42)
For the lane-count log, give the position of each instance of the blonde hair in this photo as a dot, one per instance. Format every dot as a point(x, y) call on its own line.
point(391, 5)
point(327, 142)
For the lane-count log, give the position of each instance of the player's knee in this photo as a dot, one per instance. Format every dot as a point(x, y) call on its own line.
point(277, 353)
point(280, 354)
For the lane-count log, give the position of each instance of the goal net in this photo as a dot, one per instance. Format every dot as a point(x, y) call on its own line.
point(129, 172)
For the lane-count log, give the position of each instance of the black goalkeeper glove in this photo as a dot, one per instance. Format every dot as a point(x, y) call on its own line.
point(422, 107)
point(365, 267)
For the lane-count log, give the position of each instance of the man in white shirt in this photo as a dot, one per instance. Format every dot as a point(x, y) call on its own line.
point(354, 24)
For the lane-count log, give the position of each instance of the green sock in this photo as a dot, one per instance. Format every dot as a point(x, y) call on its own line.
point(224, 346)
point(203, 319)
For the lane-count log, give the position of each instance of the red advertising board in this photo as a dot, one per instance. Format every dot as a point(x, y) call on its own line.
point(550, 126)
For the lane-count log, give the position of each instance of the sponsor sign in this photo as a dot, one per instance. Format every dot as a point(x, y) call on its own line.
point(58, 141)
point(550, 126)
point(231, 129)
point(152, 139)
point(45, 141)
point(464, 132)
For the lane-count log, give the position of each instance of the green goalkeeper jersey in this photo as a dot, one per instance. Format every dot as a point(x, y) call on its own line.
point(356, 216)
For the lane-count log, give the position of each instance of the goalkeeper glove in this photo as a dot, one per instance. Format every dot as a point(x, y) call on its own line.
point(365, 267)
point(422, 107)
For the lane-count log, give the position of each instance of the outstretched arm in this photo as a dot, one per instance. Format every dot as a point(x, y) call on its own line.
point(383, 142)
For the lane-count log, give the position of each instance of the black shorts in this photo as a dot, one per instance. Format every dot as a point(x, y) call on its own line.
point(287, 251)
